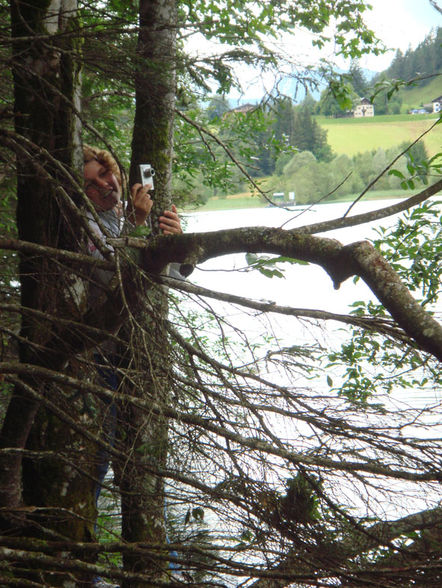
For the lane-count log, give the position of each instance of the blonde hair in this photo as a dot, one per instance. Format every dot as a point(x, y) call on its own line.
point(103, 157)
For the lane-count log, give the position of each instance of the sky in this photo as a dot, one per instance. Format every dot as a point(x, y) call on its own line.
point(400, 24)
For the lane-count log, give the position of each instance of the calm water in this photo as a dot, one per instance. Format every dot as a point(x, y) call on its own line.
point(303, 286)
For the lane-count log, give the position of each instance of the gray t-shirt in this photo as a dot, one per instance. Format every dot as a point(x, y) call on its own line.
point(114, 227)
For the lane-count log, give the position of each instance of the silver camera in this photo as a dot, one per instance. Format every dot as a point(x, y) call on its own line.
point(147, 173)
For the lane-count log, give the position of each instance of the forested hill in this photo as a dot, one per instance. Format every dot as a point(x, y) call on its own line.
point(421, 66)
point(424, 61)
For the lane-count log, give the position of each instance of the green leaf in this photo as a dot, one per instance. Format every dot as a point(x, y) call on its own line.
point(251, 258)
point(141, 231)
point(268, 273)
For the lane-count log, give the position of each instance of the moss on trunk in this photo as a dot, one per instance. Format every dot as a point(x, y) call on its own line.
point(146, 435)
point(45, 97)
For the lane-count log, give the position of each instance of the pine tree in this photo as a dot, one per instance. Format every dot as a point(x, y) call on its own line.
point(358, 80)
point(308, 135)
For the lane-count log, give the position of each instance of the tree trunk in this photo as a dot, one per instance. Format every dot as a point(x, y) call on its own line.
point(45, 90)
point(145, 444)
point(47, 146)
point(146, 435)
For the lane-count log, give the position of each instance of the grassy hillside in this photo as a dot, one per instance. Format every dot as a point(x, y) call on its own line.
point(414, 97)
point(351, 136)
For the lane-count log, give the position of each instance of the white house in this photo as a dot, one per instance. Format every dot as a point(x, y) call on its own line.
point(364, 108)
point(437, 104)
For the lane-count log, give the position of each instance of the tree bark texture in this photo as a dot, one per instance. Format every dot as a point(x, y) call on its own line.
point(46, 99)
point(152, 140)
point(145, 438)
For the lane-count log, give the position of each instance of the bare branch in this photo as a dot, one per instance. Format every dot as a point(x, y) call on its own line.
point(340, 262)
point(359, 219)
point(375, 324)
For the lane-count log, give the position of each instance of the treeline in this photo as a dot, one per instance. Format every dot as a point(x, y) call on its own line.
point(257, 138)
point(312, 180)
point(284, 145)
point(279, 133)
point(423, 61)
point(420, 64)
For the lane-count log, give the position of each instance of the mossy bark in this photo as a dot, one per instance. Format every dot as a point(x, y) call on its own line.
point(155, 98)
point(46, 81)
point(144, 442)
point(142, 487)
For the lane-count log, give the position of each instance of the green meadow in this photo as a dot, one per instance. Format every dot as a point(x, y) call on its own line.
point(415, 96)
point(233, 202)
point(246, 200)
point(351, 135)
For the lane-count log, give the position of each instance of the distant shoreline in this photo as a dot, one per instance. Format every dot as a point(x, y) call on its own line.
point(235, 202)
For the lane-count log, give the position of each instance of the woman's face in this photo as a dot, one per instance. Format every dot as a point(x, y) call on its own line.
point(101, 186)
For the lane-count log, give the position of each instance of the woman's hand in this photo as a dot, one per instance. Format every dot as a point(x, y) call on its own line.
point(170, 223)
point(140, 204)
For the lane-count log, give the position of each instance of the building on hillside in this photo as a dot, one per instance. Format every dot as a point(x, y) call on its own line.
point(437, 104)
point(243, 109)
point(364, 108)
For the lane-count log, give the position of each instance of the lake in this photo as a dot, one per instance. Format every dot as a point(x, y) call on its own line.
point(310, 287)
point(304, 286)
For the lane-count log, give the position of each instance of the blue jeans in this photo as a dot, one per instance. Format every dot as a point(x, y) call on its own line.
point(109, 378)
